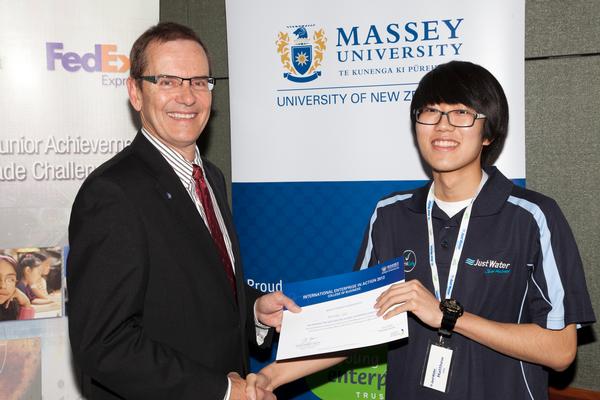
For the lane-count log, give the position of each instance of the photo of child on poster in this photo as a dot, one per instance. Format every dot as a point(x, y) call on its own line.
point(30, 283)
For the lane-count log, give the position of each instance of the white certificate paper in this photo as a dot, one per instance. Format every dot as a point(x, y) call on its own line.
point(338, 314)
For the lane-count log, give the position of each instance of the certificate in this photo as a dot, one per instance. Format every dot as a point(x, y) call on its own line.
point(337, 312)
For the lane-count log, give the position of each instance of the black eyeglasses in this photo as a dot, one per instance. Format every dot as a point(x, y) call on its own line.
point(457, 118)
point(168, 82)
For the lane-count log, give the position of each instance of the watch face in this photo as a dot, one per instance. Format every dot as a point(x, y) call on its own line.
point(452, 306)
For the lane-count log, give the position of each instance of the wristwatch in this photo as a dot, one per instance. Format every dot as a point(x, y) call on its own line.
point(452, 309)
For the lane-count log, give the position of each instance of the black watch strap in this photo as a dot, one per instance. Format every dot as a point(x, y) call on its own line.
point(451, 310)
point(447, 326)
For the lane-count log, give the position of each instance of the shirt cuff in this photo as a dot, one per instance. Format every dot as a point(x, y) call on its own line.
point(261, 329)
point(228, 392)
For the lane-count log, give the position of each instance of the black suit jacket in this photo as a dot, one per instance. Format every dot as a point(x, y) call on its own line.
point(151, 314)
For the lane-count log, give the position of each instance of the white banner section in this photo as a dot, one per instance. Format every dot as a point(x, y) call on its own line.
point(63, 66)
point(320, 91)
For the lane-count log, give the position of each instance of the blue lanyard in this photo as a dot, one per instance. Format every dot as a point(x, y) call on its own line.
point(458, 248)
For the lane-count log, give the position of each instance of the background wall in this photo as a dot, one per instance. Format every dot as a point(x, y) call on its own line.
point(562, 84)
point(562, 72)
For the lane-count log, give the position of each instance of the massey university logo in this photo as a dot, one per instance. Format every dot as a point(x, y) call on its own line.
point(301, 56)
point(389, 268)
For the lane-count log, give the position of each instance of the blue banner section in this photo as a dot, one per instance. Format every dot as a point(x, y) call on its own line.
point(294, 231)
point(314, 291)
point(304, 230)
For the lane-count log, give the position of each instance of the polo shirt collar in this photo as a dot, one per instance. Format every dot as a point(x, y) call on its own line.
point(491, 199)
point(494, 193)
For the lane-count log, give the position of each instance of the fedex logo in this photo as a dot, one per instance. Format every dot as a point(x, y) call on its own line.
point(103, 59)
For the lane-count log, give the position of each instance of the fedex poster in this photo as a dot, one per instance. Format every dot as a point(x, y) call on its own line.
point(63, 67)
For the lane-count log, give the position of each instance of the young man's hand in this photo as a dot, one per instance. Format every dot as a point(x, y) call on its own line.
point(269, 309)
point(410, 296)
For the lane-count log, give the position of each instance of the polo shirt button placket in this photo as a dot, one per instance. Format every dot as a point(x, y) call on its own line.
point(444, 243)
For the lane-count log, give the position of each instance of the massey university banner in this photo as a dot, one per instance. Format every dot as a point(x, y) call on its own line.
point(63, 66)
point(320, 94)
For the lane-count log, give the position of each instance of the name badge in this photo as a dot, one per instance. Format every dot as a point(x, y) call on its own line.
point(438, 363)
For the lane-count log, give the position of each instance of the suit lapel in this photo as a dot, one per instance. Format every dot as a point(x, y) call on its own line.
point(169, 186)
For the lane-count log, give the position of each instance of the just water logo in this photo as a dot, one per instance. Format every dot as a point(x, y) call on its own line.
point(490, 266)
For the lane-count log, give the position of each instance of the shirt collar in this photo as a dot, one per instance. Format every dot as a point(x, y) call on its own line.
point(490, 200)
point(182, 167)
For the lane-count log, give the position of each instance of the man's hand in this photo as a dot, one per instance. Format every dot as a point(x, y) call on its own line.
point(238, 386)
point(256, 391)
point(269, 309)
point(255, 383)
point(410, 296)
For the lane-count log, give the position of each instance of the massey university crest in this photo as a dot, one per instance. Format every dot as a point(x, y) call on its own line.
point(301, 56)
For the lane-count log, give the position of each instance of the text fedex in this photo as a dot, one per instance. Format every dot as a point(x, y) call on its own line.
point(104, 59)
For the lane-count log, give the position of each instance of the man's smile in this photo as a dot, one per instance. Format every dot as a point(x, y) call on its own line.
point(176, 115)
point(444, 144)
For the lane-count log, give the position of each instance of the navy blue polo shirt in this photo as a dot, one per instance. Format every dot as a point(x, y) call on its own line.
point(520, 264)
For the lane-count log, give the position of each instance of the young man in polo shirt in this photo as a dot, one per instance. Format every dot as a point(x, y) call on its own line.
point(498, 286)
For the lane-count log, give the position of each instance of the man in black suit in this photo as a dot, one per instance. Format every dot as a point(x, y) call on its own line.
point(158, 308)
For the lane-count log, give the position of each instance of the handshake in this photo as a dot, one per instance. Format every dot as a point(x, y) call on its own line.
point(254, 387)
